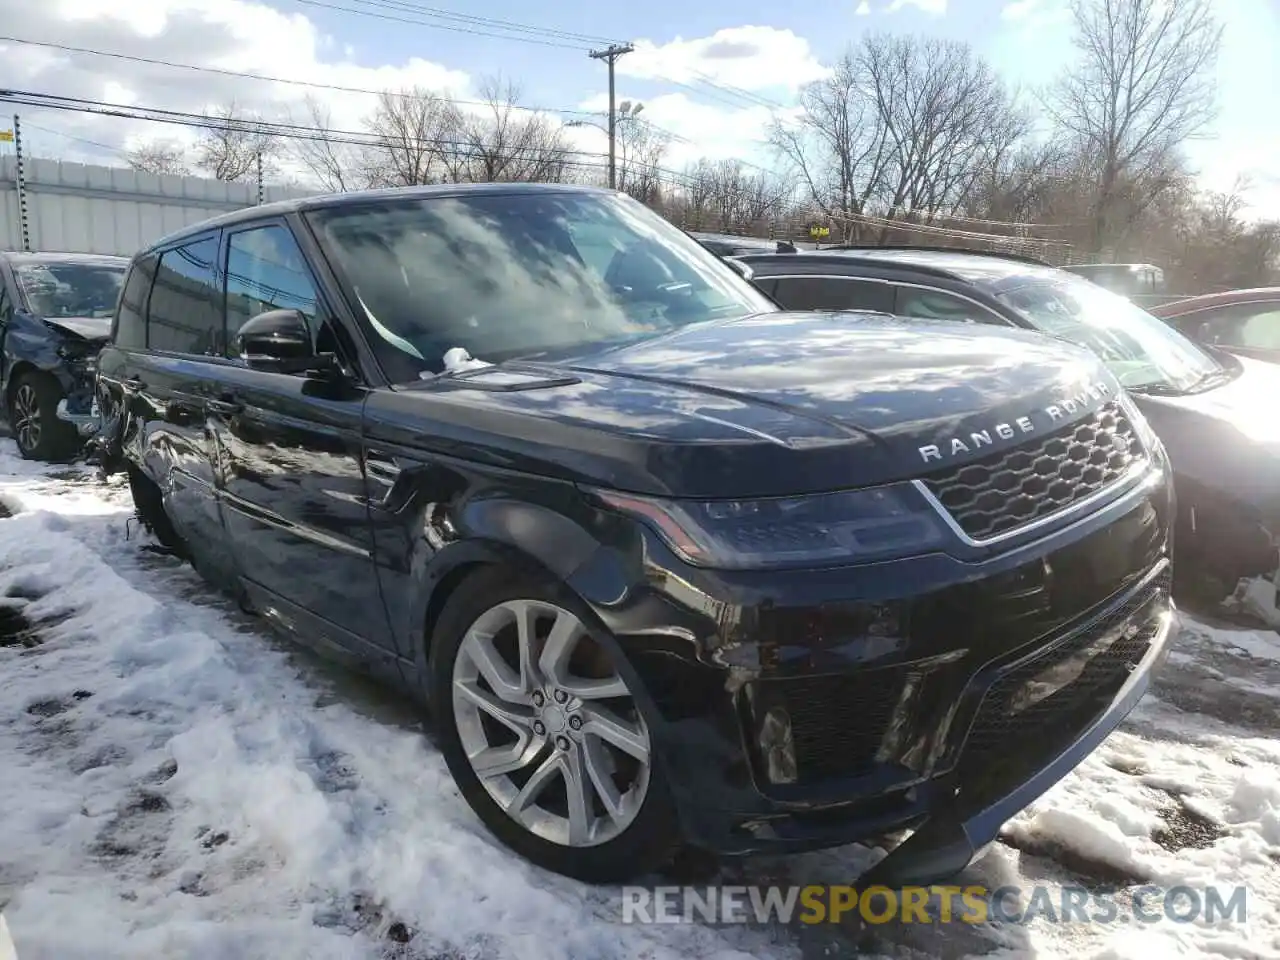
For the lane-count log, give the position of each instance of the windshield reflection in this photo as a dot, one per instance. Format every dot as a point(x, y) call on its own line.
point(70, 289)
point(1141, 350)
point(520, 274)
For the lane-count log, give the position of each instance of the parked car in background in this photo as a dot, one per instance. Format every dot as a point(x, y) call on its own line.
point(667, 563)
point(1214, 412)
point(1245, 322)
point(55, 315)
point(1142, 283)
point(727, 245)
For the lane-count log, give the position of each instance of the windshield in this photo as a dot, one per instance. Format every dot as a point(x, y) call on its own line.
point(70, 289)
point(522, 274)
point(1140, 350)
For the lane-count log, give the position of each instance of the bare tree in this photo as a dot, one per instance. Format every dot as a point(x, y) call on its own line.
point(159, 156)
point(641, 148)
point(504, 142)
point(335, 162)
point(232, 143)
point(903, 128)
point(1142, 84)
point(413, 141)
point(724, 195)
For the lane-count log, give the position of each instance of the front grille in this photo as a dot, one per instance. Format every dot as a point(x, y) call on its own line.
point(1099, 662)
point(1007, 490)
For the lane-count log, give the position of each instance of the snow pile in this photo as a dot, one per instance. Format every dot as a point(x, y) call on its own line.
point(176, 783)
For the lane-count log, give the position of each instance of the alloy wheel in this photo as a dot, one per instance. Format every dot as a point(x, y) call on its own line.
point(549, 727)
point(26, 417)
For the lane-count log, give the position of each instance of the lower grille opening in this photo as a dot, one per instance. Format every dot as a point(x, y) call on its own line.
point(1040, 706)
point(838, 722)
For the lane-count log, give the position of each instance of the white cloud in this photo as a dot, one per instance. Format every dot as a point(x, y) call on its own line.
point(864, 9)
point(933, 7)
point(1019, 10)
point(700, 129)
point(250, 36)
point(749, 57)
point(236, 35)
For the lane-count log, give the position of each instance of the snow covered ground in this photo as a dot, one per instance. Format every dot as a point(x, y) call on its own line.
point(175, 782)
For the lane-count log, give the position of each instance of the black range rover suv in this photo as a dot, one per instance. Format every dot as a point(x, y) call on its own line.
point(666, 563)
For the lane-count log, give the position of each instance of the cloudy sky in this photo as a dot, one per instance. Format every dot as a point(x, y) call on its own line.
point(708, 72)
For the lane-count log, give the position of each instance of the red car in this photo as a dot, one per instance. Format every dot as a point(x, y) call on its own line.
point(1242, 321)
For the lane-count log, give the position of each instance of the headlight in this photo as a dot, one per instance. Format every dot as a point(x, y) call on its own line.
point(1150, 442)
point(855, 526)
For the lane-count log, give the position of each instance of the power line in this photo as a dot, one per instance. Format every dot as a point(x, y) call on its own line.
point(262, 77)
point(517, 31)
point(268, 128)
point(339, 88)
point(590, 160)
point(498, 22)
point(67, 136)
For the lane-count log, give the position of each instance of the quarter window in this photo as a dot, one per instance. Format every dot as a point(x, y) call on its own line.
point(183, 315)
point(267, 271)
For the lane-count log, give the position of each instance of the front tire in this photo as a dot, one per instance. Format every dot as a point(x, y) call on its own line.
point(543, 736)
point(33, 419)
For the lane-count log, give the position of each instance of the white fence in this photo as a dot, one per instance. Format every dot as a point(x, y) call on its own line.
point(73, 207)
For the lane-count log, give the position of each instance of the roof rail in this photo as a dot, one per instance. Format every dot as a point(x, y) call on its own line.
point(1021, 257)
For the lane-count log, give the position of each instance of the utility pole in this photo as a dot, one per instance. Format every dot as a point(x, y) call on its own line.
point(610, 56)
point(259, 178)
point(20, 181)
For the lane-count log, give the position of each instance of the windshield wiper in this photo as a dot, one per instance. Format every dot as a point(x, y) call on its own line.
point(1163, 389)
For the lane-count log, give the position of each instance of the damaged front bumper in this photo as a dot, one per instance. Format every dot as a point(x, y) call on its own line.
point(86, 421)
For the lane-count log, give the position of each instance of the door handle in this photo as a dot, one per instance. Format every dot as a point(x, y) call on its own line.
point(223, 406)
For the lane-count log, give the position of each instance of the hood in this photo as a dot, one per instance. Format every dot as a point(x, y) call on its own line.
point(88, 328)
point(1227, 438)
point(777, 403)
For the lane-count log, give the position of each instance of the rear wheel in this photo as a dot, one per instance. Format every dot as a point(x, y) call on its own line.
point(33, 419)
point(543, 735)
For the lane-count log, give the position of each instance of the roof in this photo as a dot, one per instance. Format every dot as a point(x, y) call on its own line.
point(973, 267)
point(1204, 301)
point(736, 240)
point(102, 259)
point(353, 198)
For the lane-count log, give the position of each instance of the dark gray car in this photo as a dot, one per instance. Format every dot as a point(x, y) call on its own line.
point(55, 315)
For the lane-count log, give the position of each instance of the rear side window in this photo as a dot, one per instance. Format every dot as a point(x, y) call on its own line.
point(937, 305)
point(833, 293)
point(184, 315)
point(131, 315)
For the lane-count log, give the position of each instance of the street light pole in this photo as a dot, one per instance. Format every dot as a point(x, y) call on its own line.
point(610, 56)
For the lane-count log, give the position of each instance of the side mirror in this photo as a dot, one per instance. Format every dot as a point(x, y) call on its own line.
point(1204, 333)
point(279, 341)
point(742, 268)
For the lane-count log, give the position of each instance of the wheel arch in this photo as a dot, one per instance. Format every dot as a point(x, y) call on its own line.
point(15, 373)
point(460, 561)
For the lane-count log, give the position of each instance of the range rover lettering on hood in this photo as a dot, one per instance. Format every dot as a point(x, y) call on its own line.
point(1079, 402)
